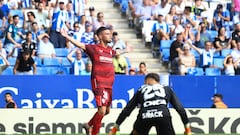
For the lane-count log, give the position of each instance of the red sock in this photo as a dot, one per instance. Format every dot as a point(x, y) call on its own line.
point(96, 122)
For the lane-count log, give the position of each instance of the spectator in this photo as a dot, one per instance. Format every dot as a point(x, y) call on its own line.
point(198, 8)
point(3, 19)
point(206, 55)
point(164, 8)
point(221, 40)
point(91, 18)
point(42, 17)
point(160, 30)
point(221, 18)
point(202, 35)
point(12, 4)
point(3, 60)
point(179, 5)
point(24, 64)
point(188, 17)
point(13, 38)
point(206, 21)
point(236, 36)
point(88, 69)
point(46, 48)
point(176, 28)
point(88, 35)
point(10, 103)
point(142, 69)
point(236, 7)
point(100, 22)
point(143, 12)
point(229, 65)
point(70, 14)
point(37, 33)
point(188, 33)
point(78, 64)
point(3, 50)
point(172, 14)
point(132, 71)
point(150, 114)
point(175, 51)
point(76, 33)
point(236, 18)
point(187, 60)
point(236, 56)
point(132, 7)
point(82, 23)
point(120, 63)
point(218, 101)
point(28, 22)
point(28, 44)
point(59, 21)
point(118, 43)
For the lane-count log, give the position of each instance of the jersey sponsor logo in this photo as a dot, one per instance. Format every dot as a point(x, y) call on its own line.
point(154, 103)
point(105, 59)
point(152, 114)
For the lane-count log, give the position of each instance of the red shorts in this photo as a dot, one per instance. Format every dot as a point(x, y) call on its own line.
point(103, 96)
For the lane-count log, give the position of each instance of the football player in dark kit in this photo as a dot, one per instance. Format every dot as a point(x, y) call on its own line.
point(153, 99)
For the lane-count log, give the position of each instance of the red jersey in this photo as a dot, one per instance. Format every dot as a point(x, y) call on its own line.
point(102, 75)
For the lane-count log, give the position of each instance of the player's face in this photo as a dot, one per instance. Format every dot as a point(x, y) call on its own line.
point(8, 97)
point(106, 36)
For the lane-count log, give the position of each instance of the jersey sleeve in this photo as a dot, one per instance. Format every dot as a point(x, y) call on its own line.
point(10, 105)
point(175, 102)
point(128, 109)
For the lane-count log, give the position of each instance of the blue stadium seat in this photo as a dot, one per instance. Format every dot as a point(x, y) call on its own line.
point(165, 44)
point(12, 61)
point(165, 54)
point(226, 52)
point(213, 34)
point(212, 71)
point(43, 71)
point(38, 61)
point(218, 62)
point(61, 52)
point(196, 71)
point(51, 62)
point(8, 71)
point(65, 62)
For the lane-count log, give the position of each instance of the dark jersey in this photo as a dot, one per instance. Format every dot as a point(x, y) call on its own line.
point(11, 105)
point(102, 65)
point(153, 101)
point(25, 65)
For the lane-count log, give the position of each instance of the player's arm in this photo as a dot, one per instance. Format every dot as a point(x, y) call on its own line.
point(125, 113)
point(75, 42)
point(175, 102)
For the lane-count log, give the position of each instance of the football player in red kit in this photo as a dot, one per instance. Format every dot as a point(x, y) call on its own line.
point(102, 76)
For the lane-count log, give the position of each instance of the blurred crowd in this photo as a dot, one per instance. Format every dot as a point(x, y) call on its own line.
point(31, 39)
point(204, 35)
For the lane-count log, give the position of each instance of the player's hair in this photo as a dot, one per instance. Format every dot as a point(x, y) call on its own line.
point(153, 76)
point(99, 30)
point(8, 93)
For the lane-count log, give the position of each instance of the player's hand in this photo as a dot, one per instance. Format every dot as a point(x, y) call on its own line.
point(114, 130)
point(64, 32)
point(187, 130)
